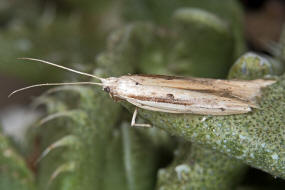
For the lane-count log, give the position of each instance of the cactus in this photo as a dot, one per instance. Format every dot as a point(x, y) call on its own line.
point(196, 167)
point(85, 139)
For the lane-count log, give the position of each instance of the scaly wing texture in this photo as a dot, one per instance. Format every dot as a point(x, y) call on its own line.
point(246, 90)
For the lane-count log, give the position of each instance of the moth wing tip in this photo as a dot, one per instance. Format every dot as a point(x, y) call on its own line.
point(254, 105)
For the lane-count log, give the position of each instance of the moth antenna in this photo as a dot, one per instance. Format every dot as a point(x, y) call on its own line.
point(62, 67)
point(53, 84)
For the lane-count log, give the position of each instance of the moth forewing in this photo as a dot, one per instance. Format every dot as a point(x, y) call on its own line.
point(242, 89)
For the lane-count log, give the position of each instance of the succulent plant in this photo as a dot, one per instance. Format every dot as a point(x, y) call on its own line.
point(86, 141)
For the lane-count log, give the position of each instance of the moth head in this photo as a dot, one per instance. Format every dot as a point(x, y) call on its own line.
point(110, 84)
point(115, 86)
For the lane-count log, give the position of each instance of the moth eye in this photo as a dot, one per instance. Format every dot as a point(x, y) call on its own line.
point(137, 83)
point(107, 89)
point(170, 96)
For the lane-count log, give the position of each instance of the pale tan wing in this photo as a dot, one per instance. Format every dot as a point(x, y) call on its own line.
point(165, 99)
point(180, 109)
point(245, 90)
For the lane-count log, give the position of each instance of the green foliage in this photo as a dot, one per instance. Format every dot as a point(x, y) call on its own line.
point(86, 139)
point(159, 11)
point(195, 167)
point(254, 66)
point(67, 38)
point(14, 173)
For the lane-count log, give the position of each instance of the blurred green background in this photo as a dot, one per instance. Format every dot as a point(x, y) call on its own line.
point(201, 38)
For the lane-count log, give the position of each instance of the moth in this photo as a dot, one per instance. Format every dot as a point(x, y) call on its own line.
point(173, 94)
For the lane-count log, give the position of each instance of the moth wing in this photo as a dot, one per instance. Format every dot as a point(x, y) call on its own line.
point(240, 89)
point(172, 108)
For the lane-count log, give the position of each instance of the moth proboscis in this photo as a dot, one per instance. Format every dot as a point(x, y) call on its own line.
point(174, 94)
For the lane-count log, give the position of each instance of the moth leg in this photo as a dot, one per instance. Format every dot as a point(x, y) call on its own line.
point(134, 124)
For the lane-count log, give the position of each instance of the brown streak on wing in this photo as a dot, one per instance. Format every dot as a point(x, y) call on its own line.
point(169, 78)
point(162, 100)
point(171, 100)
